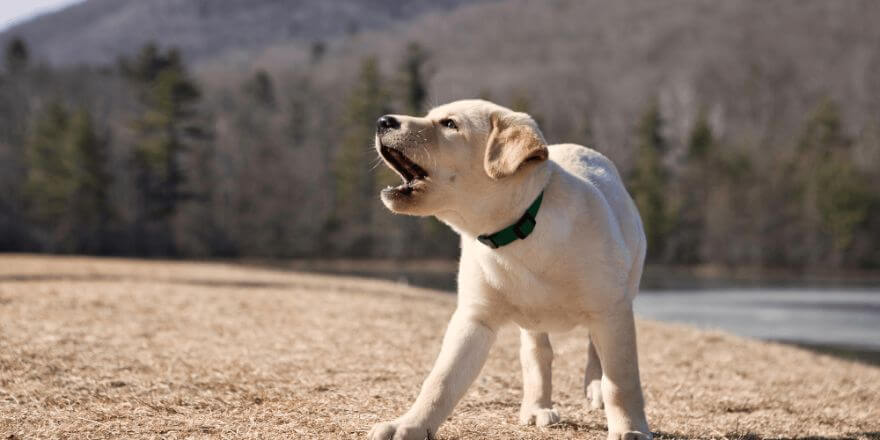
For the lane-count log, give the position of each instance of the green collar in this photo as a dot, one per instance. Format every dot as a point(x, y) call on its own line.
point(521, 229)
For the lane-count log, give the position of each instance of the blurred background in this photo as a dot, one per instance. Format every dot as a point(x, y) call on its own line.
point(748, 133)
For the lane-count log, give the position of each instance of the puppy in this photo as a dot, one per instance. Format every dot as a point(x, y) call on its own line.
point(550, 239)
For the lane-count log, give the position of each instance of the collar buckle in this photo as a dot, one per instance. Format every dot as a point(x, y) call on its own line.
point(519, 230)
point(487, 240)
point(517, 227)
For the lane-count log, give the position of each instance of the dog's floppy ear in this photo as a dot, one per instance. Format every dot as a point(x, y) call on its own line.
point(514, 140)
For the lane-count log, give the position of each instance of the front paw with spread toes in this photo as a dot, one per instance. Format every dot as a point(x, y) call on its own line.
point(538, 416)
point(399, 430)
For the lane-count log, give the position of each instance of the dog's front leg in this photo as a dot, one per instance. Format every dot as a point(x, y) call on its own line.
point(536, 356)
point(614, 335)
point(465, 346)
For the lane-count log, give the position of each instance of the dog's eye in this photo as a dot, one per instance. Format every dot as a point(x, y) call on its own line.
point(448, 123)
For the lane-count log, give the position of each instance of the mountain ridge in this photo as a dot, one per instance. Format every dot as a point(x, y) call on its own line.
point(99, 31)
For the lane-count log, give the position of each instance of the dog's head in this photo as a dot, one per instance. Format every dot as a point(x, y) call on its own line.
point(462, 148)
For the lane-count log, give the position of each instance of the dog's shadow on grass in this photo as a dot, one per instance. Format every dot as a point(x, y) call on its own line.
point(566, 425)
point(662, 435)
point(875, 435)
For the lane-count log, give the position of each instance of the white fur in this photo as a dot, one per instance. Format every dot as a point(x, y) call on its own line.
point(580, 266)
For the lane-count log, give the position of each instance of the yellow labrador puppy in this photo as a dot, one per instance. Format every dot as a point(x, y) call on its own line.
point(550, 240)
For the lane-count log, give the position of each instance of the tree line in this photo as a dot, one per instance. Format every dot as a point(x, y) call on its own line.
point(148, 158)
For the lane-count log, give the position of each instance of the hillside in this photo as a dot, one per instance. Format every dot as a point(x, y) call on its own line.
point(112, 348)
point(585, 67)
point(775, 89)
point(98, 31)
point(588, 68)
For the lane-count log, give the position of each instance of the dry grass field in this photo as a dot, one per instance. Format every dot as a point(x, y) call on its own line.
point(112, 348)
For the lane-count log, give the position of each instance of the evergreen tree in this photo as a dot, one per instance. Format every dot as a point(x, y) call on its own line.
point(261, 89)
point(355, 182)
point(48, 184)
point(17, 100)
point(91, 207)
point(414, 85)
point(700, 140)
point(693, 186)
point(148, 64)
point(17, 55)
point(68, 182)
point(412, 73)
point(843, 201)
point(649, 178)
point(834, 195)
point(823, 132)
point(317, 51)
point(166, 132)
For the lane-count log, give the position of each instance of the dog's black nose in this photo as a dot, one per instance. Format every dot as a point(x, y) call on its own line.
point(386, 123)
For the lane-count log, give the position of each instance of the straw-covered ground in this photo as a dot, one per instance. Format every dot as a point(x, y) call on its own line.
point(107, 348)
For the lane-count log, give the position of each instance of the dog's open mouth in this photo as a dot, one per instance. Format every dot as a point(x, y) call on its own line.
point(411, 173)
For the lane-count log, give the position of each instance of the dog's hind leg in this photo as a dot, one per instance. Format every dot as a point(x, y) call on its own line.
point(614, 335)
point(536, 356)
point(593, 377)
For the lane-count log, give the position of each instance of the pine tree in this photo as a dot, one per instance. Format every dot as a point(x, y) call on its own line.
point(48, 184)
point(413, 79)
point(700, 140)
point(405, 231)
point(17, 56)
point(68, 183)
point(693, 186)
point(355, 182)
point(834, 195)
point(649, 178)
point(317, 51)
point(261, 89)
point(166, 132)
point(92, 180)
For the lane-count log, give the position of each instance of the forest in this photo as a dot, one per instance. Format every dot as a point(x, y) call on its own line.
point(150, 156)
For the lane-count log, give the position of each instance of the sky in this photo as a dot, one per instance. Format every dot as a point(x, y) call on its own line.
point(16, 11)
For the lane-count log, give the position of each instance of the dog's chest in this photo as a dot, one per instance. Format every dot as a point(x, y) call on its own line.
point(540, 300)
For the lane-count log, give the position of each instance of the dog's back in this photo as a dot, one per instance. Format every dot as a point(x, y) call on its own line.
point(599, 172)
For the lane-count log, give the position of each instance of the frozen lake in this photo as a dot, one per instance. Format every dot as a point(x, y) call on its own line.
point(841, 314)
point(830, 317)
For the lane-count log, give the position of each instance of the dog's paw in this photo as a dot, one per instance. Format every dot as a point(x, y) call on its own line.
point(630, 435)
point(399, 430)
point(594, 394)
point(538, 416)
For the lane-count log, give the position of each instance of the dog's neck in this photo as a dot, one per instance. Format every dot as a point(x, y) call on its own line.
point(490, 211)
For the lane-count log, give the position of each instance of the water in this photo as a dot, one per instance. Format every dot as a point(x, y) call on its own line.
point(841, 316)
point(821, 317)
